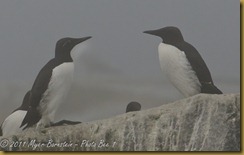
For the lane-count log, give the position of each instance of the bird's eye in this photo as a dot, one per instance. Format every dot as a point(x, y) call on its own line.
point(67, 42)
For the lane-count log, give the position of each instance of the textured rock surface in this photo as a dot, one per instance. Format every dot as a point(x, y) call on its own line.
point(199, 123)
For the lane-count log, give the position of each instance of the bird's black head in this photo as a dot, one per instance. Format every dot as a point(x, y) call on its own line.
point(65, 45)
point(169, 34)
point(133, 106)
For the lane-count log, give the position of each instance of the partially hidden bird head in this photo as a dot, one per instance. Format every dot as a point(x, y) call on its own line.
point(133, 106)
point(65, 45)
point(169, 34)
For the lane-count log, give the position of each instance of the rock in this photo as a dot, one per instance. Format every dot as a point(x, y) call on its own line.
point(199, 123)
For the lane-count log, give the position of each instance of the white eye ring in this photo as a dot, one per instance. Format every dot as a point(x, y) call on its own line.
point(66, 42)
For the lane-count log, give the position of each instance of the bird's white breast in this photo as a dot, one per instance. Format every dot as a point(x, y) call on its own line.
point(11, 124)
point(178, 69)
point(58, 88)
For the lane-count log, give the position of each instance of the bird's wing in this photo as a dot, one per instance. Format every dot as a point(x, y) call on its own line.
point(197, 63)
point(41, 83)
point(25, 102)
point(39, 87)
point(31, 118)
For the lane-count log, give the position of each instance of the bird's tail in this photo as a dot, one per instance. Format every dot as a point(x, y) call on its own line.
point(31, 118)
point(210, 89)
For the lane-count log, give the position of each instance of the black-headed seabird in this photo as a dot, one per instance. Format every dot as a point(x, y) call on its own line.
point(183, 64)
point(52, 85)
point(133, 106)
point(11, 125)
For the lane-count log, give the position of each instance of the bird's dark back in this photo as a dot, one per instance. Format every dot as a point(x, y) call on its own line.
point(41, 82)
point(196, 61)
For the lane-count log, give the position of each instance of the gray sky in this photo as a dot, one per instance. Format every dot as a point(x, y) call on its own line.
point(121, 63)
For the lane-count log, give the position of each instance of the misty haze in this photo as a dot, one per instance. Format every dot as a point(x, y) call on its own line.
point(120, 63)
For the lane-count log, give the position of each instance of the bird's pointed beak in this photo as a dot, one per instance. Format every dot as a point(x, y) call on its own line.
point(152, 32)
point(80, 40)
point(84, 39)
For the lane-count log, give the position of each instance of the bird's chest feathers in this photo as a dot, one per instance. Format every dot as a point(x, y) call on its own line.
point(58, 88)
point(63, 73)
point(61, 80)
point(172, 60)
point(178, 69)
point(11, 124)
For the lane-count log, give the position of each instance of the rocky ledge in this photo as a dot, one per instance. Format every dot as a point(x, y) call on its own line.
point(199, 123)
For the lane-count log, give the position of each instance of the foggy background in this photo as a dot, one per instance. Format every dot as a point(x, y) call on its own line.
point(120, 63)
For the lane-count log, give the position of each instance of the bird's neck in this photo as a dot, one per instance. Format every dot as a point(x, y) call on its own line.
point(173, 39)
point(64, 58)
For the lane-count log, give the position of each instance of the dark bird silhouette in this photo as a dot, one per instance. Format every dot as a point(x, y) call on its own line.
point(52, 85)
point(182, 63)
point(133, 106)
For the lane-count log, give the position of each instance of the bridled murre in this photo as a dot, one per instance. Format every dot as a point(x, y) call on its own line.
point(52, 85)
point(182, 63)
